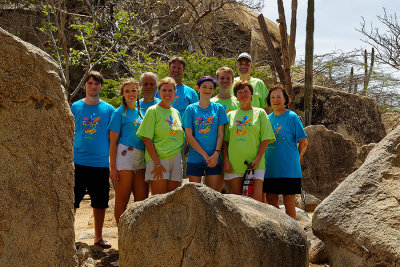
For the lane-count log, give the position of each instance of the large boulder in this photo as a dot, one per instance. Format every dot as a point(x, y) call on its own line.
point(355, 117)
point(360, 221)
point(329, 159)
point(36, 170)
point(197, 226)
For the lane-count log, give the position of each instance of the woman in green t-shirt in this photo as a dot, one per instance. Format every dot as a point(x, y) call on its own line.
point(163, 137)
point(246, 138)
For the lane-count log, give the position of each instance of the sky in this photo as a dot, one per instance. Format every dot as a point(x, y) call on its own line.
point(335, 22)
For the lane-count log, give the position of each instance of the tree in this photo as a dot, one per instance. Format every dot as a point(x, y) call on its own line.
point(122, 36)
point(385, 39)
point(308, 84)
point(346, 71)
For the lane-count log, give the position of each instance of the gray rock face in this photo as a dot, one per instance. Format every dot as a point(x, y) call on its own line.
point(196, 226)
point(329, 159)
point(36, 170)
point(360, 221)
point(355, 117)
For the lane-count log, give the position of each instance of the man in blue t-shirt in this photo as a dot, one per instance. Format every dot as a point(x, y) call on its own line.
point(184, 95)
point(91, 152)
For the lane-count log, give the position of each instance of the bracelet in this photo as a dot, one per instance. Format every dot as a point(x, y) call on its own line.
point(219, 151)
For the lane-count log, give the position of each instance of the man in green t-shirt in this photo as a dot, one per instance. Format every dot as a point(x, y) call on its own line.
point(224, 79)
point(244, 67)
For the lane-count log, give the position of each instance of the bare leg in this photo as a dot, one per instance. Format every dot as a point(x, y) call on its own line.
point(123, 189)
point(228, 186)
point(289, 201)
point(258, 190)
point(273, 199)
point(194, 179)
point(158, 187)
point(140, 187)
point(264, 198)
point(213, 181)
point(172, 185)
point(236, 185)
point(98, 215)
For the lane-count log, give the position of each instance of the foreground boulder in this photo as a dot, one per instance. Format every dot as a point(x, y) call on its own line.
point(329, 159)
point(355, 117)
point(36, 170)
point(360, 221)
point(196, 226)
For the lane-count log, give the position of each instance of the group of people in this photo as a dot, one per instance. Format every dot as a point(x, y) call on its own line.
point(142, 144)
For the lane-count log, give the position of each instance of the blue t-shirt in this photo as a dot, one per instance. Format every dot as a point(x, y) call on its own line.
point(184, 97)
point(282, 159)
point(145, 105)
point(91, 144)
point(204, 123)
point(126, 126)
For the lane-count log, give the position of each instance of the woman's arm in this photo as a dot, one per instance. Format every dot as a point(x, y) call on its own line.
point(260, 154)
point(113, 155)
point(158, 168)
point(213, 159)
point(194, 144)
point(303, 143)
point(227, 165)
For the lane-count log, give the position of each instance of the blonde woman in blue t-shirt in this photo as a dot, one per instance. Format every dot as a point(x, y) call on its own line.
point(127, 149)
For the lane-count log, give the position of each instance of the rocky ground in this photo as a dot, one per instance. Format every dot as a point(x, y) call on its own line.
point(92, 255)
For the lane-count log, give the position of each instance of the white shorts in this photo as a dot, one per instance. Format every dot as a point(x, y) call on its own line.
point(129, 158)
point(173, 167)
point(258, 174)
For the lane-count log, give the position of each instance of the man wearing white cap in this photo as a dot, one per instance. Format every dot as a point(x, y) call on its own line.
point(244, 67)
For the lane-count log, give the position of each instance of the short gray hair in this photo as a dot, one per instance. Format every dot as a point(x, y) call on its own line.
point(148, 74)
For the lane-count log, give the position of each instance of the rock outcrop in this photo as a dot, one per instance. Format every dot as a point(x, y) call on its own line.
point(196, 226)
point(36, 170)
point(360, 221)
point(355, 117)
point(329, 159)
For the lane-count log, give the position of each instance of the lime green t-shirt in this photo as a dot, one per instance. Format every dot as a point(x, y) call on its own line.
point(228, 104)
point(244, 132)
point(260, 92)
point(163, 126)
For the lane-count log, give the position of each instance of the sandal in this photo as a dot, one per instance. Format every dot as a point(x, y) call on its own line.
point(103, 243)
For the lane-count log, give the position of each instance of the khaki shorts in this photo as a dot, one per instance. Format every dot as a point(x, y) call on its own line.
point(173, 167)
point(129, 158)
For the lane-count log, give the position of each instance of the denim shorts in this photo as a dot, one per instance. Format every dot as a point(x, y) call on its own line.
point(201, 169)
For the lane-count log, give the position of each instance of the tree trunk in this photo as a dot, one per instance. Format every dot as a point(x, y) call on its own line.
point(351, 79)
point(292, 39)
point(267, 37)
point(285, 56)
point(368, 73)
point(308, 82)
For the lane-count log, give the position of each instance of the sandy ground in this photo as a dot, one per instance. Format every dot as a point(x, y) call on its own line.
point(84, 231)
